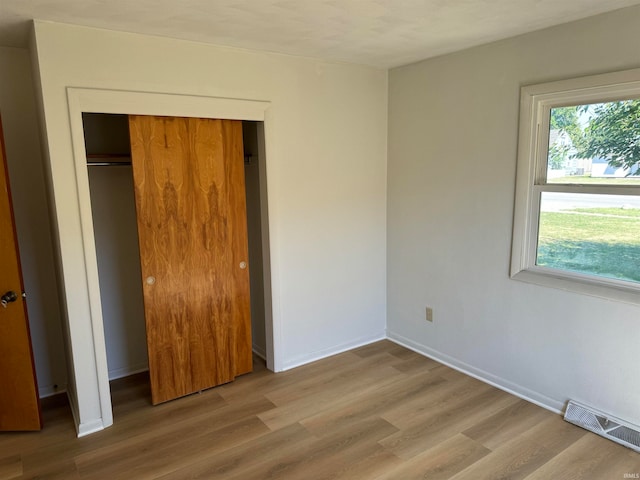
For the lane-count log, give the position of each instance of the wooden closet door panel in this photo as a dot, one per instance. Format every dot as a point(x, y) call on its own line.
point(232, 135)
point(190, 202)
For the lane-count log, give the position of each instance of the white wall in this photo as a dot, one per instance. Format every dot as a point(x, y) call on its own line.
point(20, 124)
point(326, 176)
point(453, 127)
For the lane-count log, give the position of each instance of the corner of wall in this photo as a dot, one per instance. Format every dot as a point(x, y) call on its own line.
point(335, 350)
point(37, 81)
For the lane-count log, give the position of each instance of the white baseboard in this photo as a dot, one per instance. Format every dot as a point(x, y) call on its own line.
point(518, 390)
point(259, 351)
point(543, 401)
point(85, 428)
point(51, 390)
point(327, 352)
point(126, 371)
point(74, 410)
point(88, 428)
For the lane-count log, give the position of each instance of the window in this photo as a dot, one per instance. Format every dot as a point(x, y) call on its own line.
point(577, 212)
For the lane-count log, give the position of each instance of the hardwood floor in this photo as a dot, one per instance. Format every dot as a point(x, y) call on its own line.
point(379, 412)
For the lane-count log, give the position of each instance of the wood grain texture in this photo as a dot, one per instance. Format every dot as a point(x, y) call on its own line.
point(349, 434)
point(19, 404)
point(190, 200)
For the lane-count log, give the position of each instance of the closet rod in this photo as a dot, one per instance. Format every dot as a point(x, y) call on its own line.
point(108, 159)
point(107, 164)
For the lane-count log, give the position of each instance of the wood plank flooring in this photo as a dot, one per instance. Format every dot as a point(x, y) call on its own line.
point(379, 412)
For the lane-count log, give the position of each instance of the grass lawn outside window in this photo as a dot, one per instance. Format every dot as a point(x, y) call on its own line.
point(599, 241)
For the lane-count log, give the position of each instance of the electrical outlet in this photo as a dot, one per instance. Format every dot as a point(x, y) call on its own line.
point(429, 314)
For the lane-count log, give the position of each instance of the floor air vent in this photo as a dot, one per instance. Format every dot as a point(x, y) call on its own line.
point(603, 425)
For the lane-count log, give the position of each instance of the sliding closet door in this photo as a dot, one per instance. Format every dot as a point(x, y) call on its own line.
point(190, 200)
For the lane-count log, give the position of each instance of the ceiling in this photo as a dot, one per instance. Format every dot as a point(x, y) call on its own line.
point(384, 33)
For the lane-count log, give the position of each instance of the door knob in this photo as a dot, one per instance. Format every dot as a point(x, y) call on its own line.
point(8, 297)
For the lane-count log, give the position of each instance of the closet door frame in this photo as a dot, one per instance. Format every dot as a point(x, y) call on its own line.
point(89, 369)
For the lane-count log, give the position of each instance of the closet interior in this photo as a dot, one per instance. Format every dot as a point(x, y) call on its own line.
point(111, 182)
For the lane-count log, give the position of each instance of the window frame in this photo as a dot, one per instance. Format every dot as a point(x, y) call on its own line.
point(536, 102)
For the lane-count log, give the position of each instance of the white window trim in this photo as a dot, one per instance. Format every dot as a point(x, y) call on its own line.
point(536, 102)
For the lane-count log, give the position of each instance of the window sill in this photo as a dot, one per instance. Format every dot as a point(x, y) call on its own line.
point(582, 284)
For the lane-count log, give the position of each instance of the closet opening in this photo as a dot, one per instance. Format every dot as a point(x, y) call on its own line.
point(111, 184)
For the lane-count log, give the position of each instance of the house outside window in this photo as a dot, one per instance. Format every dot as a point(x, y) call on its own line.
point(577, 216)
